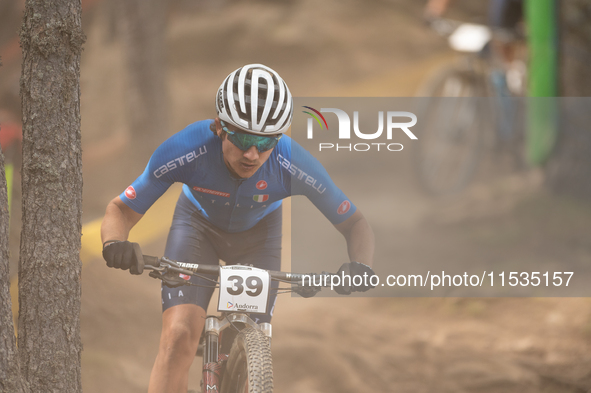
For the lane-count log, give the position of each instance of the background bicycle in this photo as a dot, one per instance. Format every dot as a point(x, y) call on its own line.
point(474, 109)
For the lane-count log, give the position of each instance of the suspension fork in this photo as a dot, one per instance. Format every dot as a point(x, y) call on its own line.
point(212, 359)
point(211, 367)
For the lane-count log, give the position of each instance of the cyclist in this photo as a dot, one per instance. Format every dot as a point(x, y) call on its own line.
point(502, 14)
point(236, 169)
point(504, 17)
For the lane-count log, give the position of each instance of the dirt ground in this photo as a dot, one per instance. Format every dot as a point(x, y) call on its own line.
point(339, 48)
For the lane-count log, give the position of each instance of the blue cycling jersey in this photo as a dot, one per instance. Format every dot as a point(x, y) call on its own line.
point(194, 157)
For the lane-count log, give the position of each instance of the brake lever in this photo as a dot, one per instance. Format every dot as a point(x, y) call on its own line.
point(307, 290)
point(156, 268)
point(169, 278)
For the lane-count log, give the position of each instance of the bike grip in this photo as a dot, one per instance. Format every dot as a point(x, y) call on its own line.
point(138, 266)
point(151, 261)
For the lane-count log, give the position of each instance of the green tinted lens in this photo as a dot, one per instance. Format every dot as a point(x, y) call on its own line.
point(245, 141)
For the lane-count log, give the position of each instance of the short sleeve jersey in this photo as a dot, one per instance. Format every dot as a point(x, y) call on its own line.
point(194, 157)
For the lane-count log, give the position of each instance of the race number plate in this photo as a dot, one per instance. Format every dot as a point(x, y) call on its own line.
point(244, 288)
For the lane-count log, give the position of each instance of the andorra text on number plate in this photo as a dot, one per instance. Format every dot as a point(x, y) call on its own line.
point(244, 288)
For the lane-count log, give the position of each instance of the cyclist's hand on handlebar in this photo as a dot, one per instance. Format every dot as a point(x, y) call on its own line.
point(353, 269)
point(123, 255)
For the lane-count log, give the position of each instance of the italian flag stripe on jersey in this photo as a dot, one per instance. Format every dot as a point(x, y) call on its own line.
point(260, 198)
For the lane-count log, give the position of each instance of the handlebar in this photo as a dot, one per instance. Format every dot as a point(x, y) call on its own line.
point(170, 272)
point(442, 26)
point(155, 263)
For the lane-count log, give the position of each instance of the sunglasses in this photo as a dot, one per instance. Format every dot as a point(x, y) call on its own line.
point(245, 141)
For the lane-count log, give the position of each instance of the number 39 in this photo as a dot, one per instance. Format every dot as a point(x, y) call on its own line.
point(253, 283)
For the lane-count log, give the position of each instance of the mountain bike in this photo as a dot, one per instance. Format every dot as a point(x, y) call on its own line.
point(471, 103)
point(236, 350)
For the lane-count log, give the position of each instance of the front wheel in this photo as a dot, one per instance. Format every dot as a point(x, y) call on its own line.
point(453, 121)
point(249, 368)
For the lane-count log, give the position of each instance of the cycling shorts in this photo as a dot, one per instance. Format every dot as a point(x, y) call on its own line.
point(505, 14)
point(193, 239)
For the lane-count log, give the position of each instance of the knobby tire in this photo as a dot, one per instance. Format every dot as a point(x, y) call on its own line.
point(448, 152)
point(250, 367)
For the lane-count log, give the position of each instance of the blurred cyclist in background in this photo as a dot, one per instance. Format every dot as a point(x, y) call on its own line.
point(505, 18)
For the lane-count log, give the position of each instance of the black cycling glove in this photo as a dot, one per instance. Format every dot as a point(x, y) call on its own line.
point(353, 269)
point(306, 291)
point(123, 255)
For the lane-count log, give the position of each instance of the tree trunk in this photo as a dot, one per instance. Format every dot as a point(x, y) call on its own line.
point(49, 269)
point(10, 375)
point(569, 170)
point(142, 26)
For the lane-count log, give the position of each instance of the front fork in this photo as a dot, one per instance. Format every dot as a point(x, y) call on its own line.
point(213, 361)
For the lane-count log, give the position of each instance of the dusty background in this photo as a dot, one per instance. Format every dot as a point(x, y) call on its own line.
point(336, 48)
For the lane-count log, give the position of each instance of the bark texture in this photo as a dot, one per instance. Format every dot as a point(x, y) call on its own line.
point(142, 25)
point(49, 269)
point(10, 375)
point(569, 170)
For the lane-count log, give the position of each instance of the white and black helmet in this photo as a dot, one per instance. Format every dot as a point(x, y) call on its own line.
point(259, 84)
